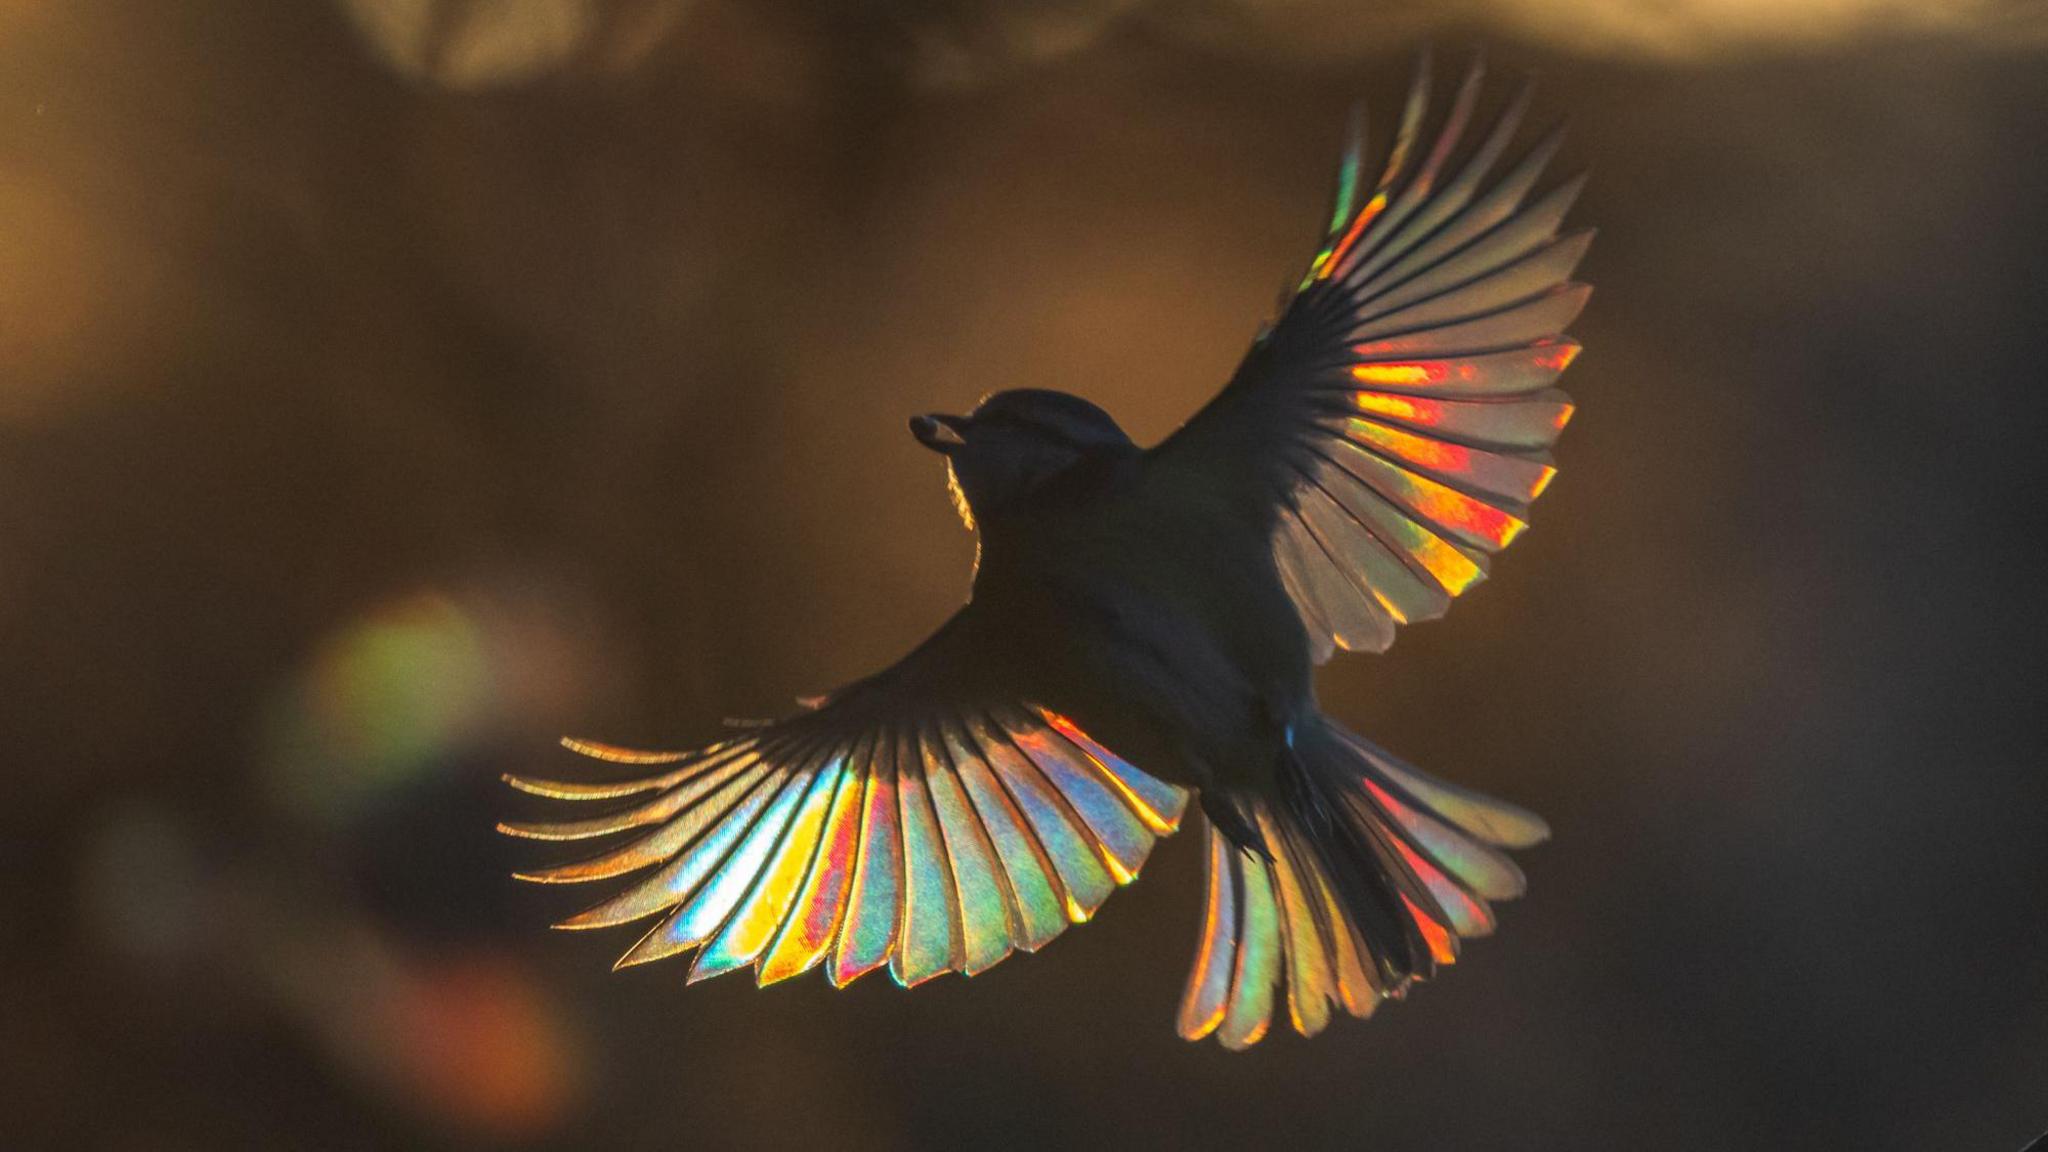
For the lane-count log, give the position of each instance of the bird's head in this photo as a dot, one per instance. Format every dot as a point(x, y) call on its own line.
point(1013, 443)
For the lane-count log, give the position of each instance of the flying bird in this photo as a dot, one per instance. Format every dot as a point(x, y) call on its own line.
point(1143, 628)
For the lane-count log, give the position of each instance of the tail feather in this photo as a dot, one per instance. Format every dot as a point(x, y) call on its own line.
point(1372, 874)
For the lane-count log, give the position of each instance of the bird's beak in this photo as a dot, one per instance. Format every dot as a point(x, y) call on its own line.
point(938, 432)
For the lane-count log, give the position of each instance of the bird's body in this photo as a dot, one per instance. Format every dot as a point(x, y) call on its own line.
point(1159, 627)
point(1144, 625)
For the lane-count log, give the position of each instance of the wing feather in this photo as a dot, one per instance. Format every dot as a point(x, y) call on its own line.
point(1393, 427)
point(752, 926)
point(676, 880)
point(1078, 865)
point(876, 899)
point(981, 895)
point(806, 934)
point(929, 942)
point(1208, 990)
point(1036, 900)
point(924, 820)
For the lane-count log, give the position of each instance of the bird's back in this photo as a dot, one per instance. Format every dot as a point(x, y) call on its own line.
point(1160, 622)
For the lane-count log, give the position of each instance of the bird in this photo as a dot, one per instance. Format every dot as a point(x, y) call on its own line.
point(1142, 630)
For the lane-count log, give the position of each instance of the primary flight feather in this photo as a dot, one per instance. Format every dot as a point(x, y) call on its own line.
point(1144, 624)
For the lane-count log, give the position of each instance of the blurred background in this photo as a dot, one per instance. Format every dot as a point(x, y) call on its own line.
point(390, 386)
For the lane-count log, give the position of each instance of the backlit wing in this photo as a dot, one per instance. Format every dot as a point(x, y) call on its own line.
point(923, 818)
point(1392, 428)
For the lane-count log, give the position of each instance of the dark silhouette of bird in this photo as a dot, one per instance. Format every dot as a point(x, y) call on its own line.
point(1144, 624)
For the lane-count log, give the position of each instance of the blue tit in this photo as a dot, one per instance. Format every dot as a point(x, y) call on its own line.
point(1143, 627)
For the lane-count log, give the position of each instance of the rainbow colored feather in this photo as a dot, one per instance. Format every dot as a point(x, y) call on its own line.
point(1415, 366)
point(931, 847)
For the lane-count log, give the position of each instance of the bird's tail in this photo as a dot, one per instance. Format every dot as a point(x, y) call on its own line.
point(1371, 874)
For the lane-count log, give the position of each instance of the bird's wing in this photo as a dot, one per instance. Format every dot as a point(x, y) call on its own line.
point(1390, 430)
point(922, 818)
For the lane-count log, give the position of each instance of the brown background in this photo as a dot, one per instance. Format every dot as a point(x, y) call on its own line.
point(388, 386)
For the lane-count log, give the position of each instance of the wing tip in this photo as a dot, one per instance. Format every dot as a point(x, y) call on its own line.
point(651, 946)
point(840, 972)
point(916, 979)
point(530, 830)
point(1518, 828)
point(774, 969)
point(567, 831)
point(551, 876)
point(616, 754)
point(560, 789)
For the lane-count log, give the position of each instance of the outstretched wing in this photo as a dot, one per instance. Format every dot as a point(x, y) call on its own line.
point(923, 818)
point(1392, 428)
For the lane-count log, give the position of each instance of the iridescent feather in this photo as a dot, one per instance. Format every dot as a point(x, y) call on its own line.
point(1408, 388)
point(927, 846)
point(1396, 424)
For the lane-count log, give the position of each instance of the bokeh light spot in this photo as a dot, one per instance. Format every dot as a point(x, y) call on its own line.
point(479, 1043)
point(383, 699)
